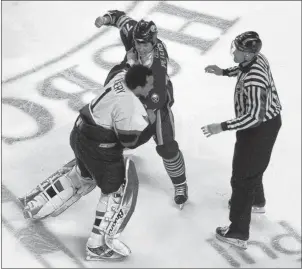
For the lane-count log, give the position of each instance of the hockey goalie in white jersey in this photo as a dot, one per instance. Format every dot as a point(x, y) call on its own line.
point(115, 120)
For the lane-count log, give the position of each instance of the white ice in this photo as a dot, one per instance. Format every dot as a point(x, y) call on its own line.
point(34, 32)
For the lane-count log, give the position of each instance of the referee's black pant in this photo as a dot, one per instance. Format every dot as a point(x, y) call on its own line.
point(252, 154)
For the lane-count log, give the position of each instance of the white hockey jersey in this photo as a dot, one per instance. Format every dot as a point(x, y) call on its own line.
point(119, 110)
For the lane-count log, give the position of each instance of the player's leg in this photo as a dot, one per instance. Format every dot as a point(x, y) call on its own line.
point(63, 188)
point(55, 194)
point(259, 197)
point(172, 156)
point(119, 186)
point(252, 154)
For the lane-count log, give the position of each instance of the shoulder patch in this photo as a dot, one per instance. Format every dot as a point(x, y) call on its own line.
point(153, 28)
point(155, 98)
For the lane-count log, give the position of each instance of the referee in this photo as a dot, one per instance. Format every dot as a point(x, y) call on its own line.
point(257, 122)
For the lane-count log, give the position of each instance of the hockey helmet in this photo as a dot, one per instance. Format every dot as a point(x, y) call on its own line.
point(145, 32)
point(247, 42)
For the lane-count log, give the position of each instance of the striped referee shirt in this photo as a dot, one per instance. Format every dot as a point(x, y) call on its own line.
point(256, 99)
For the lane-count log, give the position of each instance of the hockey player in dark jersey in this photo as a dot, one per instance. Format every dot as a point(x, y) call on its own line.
point(143, 47)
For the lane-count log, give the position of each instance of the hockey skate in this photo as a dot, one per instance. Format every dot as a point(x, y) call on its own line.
point(225, 235)
point(256, 208)
point(103, 253)
point(181, 194)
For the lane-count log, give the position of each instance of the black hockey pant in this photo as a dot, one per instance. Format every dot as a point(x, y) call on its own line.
point(106, 166)
point(252, 154)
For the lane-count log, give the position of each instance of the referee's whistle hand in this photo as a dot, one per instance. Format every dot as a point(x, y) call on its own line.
point(206, 131)
point(214, 69)
point(211, 129)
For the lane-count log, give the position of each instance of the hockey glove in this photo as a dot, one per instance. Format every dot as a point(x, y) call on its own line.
point(110, 18)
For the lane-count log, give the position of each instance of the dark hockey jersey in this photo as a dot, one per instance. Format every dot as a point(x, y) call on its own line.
point(157, 60)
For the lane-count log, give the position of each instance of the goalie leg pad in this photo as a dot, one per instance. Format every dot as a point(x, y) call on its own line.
point(82, 185)
point(56, 194)
point(117, 208)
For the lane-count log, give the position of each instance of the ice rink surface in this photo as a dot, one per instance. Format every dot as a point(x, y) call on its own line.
point(54, 60)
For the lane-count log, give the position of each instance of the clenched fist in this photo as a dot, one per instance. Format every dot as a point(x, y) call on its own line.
point(100, 21)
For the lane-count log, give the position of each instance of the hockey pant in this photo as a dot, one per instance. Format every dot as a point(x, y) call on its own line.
point(105, 166)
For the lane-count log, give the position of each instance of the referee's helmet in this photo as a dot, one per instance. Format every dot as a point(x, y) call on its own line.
point(248, 42)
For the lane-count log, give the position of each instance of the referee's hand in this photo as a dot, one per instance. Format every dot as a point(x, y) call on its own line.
point(211, 129)
point(214, 69)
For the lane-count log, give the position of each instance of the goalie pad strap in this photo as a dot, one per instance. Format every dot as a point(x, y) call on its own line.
point(115, 209)
point(58, 192)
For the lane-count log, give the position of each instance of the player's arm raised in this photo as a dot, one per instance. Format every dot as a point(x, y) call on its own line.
point(120, 20)
point(158, 96)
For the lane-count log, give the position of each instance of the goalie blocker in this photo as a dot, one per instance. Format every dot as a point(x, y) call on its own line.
point(62, 189)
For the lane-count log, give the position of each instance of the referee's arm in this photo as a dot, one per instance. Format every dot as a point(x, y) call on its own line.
point(231, 72)
point(255, 110)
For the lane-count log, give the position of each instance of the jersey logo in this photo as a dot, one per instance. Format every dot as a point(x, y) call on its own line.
point(155, 98)
point(153, 28)
point(126, 29)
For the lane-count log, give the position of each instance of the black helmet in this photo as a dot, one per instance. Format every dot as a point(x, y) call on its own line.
point(145, 32)
point(248, 42)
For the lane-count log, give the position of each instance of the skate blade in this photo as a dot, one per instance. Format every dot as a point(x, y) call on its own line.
point(181, 206)
point(104, 259)
point(234, 242)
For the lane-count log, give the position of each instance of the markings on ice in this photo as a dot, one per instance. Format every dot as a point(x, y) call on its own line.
point(35, 236)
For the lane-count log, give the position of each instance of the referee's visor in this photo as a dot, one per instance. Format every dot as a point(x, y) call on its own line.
point(232, 48)
point(236, 46)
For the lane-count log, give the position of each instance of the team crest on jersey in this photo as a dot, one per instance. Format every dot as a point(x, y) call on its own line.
point(125, 31)
point(155, 98)
point(153, 28)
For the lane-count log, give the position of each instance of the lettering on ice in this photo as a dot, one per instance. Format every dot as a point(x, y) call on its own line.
point(237, 257)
